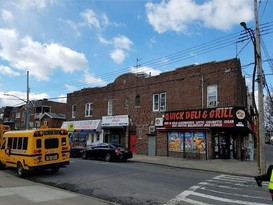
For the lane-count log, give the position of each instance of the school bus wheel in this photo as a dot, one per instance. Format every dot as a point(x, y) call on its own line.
point(20, 170)
point(1, 166)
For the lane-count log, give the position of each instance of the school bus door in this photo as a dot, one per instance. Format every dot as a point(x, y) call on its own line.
point(4, 151)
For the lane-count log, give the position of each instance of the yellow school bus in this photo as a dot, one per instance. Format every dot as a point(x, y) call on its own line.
point(3, 129)
point(30, 150)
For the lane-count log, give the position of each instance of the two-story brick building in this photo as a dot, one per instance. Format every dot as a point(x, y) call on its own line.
point(40, 112)
point(196, 110)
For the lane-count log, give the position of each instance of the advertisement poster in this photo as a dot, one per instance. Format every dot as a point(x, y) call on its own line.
point(194, 141)
point(199, 142)
point(175, 141)
point(188, 141)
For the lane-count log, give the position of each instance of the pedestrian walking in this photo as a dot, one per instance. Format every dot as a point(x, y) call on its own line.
point(266, 177)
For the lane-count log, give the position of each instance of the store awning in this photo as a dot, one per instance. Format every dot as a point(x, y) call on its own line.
point(93, 125)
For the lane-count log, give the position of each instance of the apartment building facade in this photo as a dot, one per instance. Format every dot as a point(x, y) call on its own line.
point(197, 110)
point(40, 112)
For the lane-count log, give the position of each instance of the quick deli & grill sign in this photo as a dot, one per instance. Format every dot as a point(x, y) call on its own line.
point(201, 118)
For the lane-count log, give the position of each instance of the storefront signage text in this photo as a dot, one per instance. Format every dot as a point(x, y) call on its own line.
point(213, 117)
point(226, 113)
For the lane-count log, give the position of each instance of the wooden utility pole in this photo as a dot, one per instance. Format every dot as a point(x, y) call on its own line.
point(261, 132)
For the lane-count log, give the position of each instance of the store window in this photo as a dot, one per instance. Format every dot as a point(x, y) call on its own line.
point(73, 111)
point(88, 109)
point(187, 142)
point(159, 102)
point(212, 96)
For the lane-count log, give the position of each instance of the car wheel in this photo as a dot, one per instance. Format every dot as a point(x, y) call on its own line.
point(20, 170)
point(108, 157)
point(84, 155)
point(55, 169)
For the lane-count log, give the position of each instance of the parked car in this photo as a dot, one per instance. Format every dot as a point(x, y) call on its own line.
point(107, 151)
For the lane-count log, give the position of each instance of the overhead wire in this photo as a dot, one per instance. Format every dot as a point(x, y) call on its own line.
point(182, 55)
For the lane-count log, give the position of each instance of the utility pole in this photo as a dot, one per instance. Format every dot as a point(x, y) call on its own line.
point(260, 92)
point(27, 105)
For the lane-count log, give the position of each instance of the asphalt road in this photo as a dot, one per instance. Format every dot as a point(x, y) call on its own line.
point(134, 183)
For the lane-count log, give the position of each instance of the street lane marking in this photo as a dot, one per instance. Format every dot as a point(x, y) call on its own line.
point(226, 179)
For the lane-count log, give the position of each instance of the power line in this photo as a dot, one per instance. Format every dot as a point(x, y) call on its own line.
point(179, 56)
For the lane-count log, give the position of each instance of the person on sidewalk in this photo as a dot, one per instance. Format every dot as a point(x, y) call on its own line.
point(266, 177)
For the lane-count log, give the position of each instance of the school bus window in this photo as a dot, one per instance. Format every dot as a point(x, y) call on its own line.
point(19, 143)
point(10, 142)
point(4, 143)
point(14, 145)
point(63, 141)
point(38, 143)
point(51, 143)
point(25, 141)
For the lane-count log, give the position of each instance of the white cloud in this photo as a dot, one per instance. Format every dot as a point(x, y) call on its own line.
point(145, 69)
point(70, 88)
point(5, 70)
point(39, 59)
point(118, 55)
point(7, 15)
point(90, 18)
point(37, 4)
point(93, 80)
point(122, 42)
point(19, 98)
point(174, 15)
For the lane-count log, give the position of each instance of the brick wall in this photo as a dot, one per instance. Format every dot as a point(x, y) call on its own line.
point(183, 87)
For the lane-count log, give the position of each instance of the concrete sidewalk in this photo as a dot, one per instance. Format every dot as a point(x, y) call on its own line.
point(15, 190)
point(234, 167)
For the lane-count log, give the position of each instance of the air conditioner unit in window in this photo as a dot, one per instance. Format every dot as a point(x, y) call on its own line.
point(212, 103)
point(151, 129)
point(159, 121)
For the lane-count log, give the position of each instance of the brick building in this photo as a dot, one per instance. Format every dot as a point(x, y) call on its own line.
point(40, 112)
point(192, 111)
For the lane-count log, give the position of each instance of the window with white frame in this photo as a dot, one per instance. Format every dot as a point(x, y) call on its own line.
point(110, 107)
point(73, 111)
point(18, 115)
point(212, 96)
point(126, 102)
point(159, 102)
point(88, 110)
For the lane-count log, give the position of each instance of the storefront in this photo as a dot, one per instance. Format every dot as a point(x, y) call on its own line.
point(115, 129)
point(214, 133)
point(83, 133)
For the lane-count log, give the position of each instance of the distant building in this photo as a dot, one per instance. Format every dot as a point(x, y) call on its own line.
point(193, 111)
point(40, 112)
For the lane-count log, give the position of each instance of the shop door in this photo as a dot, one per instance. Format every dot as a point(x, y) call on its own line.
point(151, 146)
point(224, 147)
point(133, 143)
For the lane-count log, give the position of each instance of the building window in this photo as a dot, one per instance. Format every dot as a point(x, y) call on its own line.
point(159, 102)
point(110, 107)
point(212, 96)
point(126, 102)
point(137, 100)
point(18, 115)
point(88, 109)
point(73, 111)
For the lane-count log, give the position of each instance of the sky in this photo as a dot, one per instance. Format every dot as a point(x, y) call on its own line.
point(68, 45)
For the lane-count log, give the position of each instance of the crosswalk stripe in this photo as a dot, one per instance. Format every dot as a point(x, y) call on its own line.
point(221, 181)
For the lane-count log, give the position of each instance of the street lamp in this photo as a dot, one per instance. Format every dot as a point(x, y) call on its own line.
point(27, 108)
point(260, 112)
